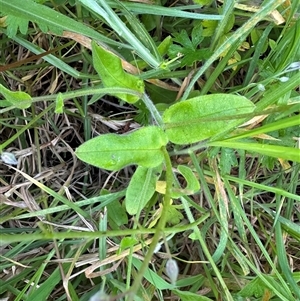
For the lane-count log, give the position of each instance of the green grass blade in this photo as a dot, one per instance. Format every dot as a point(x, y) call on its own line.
point(275, 151)
point(121, 29)
point(282, 259)
point(269, 127)
point(178, 11)
point(56, 21)
point(239, 34)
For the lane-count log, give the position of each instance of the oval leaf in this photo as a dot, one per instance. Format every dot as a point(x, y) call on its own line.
point(109, 68)
point(141, 188)
point(202, 117)
point(113, 152)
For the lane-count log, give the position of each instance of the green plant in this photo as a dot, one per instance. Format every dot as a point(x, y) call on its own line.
point(210, 118)
point(215, 182)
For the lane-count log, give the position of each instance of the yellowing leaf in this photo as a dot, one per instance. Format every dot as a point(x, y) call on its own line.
point(161, 187)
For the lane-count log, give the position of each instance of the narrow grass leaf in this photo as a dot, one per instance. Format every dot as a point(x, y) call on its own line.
point(276, 151)
point(156, 280)
point(50, 58)
point(289, 226)
point(140, 31)
point(44, 290)
point(239, 35)
point(121, 29)
point(269, 127)
point(283, 261)
point(113, 152)
point(109, 68)
point(189, 296)
point(158, 10)
point(49, 19)
point(234, 205)
point(202, 117)
point(53, 193)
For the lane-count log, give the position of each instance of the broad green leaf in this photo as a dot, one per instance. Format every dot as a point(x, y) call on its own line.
point(18, 99)
point(276, 151)
point(113, 152)
point(109, 68)
point(188, 296)
point(141, 188)
point(202, 117)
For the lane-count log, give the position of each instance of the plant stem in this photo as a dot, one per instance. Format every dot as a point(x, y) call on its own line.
point(151, 107)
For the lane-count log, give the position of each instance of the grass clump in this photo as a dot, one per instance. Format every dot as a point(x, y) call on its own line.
point(188, 117)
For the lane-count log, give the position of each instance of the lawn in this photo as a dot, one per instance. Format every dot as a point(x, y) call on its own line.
point(150, 150)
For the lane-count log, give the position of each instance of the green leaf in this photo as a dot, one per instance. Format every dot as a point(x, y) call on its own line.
point(209, 27)
point(183, 39)
point(126, 243)
point(202, 117)
point(276, 151)
point(13, 23)
point(164, 45)
point(188, 296)
point(113, 152)
point(59, 103)
point(49, 19)
point(109, 68)
point(117, 215)
point(228, 160)
point(18, 99)
point(254, 288)
point(153, 277)
point(173, 216)
point(197, 36)
point(141, 188)
point(192, 186)
point(188, 47)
